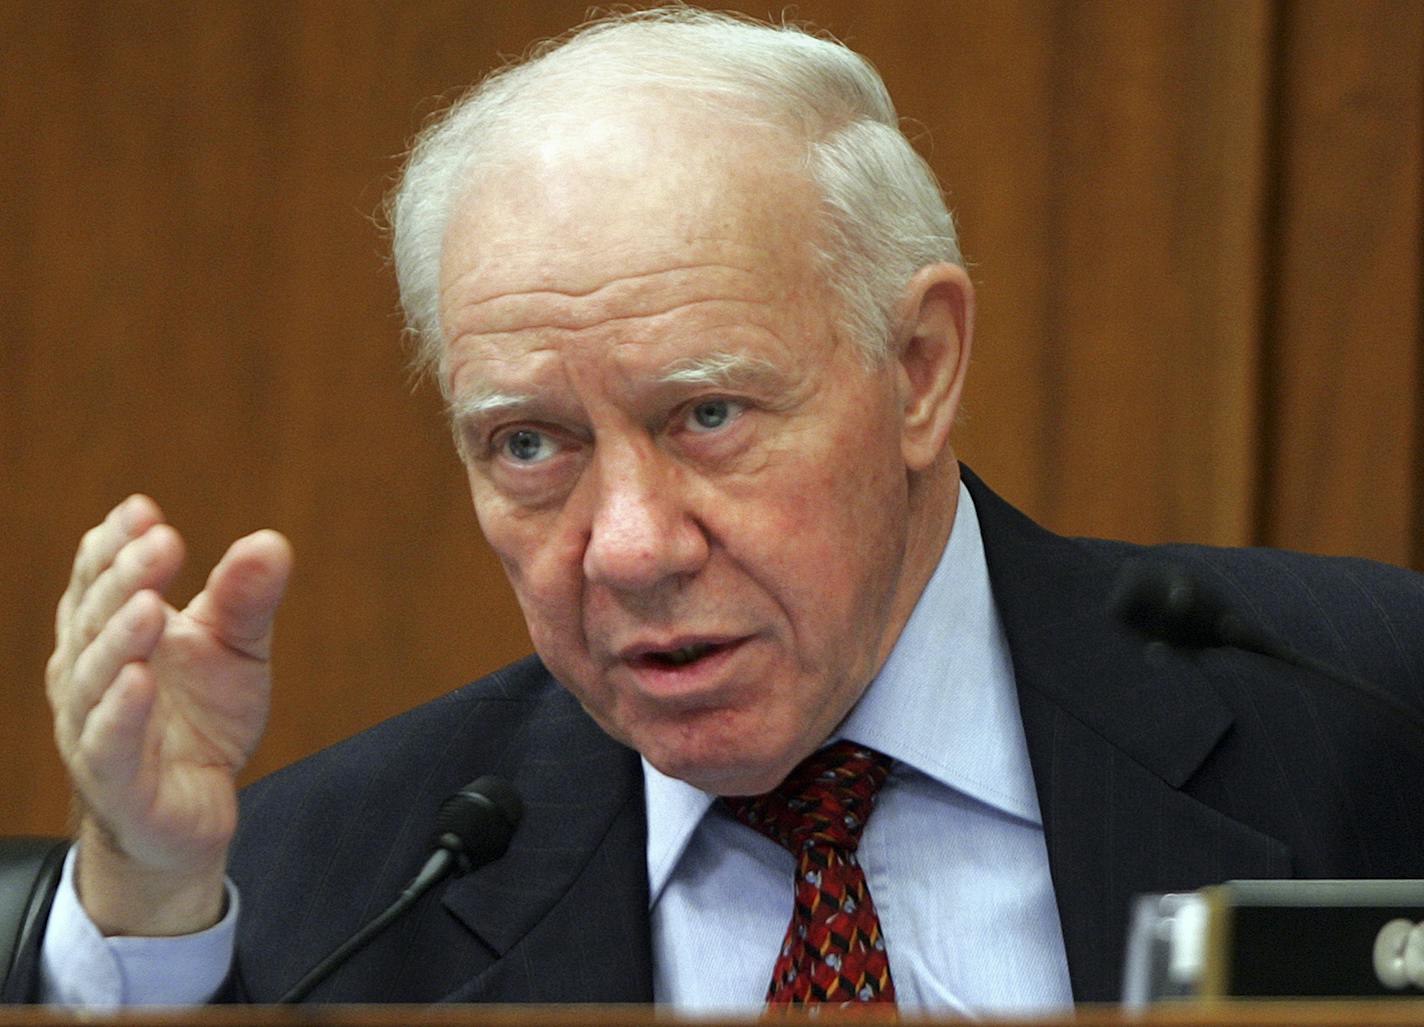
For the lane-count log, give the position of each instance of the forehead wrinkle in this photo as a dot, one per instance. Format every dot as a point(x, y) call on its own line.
point(515, 309)
point(515, 326)
point(594, 290)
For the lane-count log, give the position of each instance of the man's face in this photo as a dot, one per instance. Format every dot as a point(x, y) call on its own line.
point(698, 494)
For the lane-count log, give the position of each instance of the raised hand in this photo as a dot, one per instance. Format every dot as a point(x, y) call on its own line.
point(156, 710)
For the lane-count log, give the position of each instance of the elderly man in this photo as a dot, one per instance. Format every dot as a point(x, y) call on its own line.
point(699, 314)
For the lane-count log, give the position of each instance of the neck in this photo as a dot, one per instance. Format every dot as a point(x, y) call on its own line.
point(933, 504)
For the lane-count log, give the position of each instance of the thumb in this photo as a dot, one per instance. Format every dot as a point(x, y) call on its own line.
point(243, 591)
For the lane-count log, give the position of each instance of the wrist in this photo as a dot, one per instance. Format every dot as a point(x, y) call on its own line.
point(124, 896)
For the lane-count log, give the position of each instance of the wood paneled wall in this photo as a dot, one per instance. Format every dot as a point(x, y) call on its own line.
point(1196, 228)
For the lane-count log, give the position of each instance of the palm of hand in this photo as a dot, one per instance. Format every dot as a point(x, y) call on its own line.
point(210, 706)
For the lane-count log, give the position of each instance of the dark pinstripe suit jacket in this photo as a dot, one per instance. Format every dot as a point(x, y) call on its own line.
point(1154, 772)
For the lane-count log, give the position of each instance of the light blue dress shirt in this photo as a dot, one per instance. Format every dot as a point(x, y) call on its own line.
point(81, 967)
point(954, 854)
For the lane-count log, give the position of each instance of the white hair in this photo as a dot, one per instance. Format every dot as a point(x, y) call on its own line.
point(882, 216)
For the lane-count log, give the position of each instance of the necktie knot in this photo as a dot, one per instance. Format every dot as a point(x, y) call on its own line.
point(825, 800)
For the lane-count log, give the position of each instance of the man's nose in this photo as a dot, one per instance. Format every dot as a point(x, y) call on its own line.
point(642, 532)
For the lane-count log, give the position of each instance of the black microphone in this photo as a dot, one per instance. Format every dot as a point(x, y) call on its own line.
point(473, 828)
point(1164, 602)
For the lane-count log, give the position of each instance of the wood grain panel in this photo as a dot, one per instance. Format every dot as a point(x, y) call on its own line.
point(1137, 304)
point(208, 317)
point(1343, 463)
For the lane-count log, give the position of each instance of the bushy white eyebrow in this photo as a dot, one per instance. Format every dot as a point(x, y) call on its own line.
point(718, 370)
point(486, 401)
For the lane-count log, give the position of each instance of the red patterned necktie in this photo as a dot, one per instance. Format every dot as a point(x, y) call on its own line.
point(833, 951)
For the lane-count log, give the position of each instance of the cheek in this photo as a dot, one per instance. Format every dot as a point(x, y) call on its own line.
point(542, 566)
point(828, 545)
point(852, 517)
point(848, 489)
point(552, 606)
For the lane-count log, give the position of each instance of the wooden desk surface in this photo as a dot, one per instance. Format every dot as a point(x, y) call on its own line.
point(1235, 1014)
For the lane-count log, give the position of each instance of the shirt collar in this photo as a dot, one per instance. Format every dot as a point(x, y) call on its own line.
point(945, 702)
point(952, 643)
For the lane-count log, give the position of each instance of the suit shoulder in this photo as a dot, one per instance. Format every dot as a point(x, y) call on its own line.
point(1359, 614)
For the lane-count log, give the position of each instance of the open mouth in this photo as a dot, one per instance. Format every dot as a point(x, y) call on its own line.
point(683, 656)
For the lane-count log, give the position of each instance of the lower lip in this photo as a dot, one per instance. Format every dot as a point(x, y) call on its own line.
point(699, 676)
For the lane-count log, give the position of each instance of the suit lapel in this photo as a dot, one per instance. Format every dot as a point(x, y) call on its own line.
point(1115, 830)
point(565, 911)
point(1114, 738)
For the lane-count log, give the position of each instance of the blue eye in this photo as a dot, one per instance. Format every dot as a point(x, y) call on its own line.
point(711, 414)
point(526, 446)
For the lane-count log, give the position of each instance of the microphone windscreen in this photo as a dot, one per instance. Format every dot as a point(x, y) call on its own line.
point(479, 820)
point(1164, 602)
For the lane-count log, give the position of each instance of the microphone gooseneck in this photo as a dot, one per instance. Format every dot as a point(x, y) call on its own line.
point(1164, 602)
point(472, 828)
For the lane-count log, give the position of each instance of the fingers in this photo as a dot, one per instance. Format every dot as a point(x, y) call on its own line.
point(129, 552)
point(240, 600)
point(129, 636)
point(97, 548)
point(112, 738)
point(81, 613)
point(148, 561)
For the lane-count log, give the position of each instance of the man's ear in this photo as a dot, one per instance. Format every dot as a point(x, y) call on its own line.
point(936, 330)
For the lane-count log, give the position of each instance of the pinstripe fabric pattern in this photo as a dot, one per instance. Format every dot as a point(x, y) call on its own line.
point(1161, 771)
point(329, 839)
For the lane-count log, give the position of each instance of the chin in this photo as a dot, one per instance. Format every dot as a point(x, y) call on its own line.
point(723, 770)
point(722, 751)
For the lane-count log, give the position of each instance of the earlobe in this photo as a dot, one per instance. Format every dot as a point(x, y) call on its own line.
point(933, 353)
